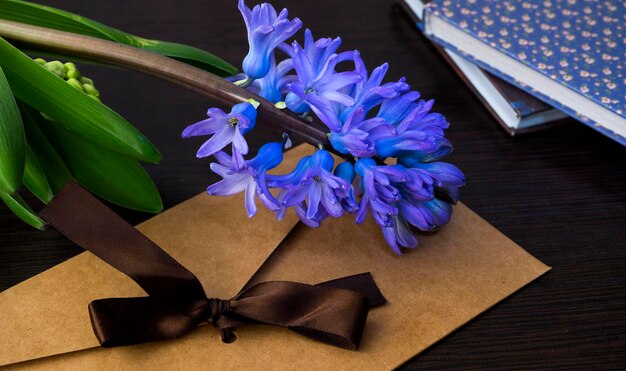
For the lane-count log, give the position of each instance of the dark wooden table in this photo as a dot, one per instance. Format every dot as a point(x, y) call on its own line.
point(560, 193)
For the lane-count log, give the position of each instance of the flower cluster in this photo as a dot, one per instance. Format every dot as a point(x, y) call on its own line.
point(367, 120)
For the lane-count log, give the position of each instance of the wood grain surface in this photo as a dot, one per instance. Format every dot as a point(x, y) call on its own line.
point(560, 193)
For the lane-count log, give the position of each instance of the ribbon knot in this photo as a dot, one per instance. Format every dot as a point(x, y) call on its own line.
point(333, 312)
point(215, 308)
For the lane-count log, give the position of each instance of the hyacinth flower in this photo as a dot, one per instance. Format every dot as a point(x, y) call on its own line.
point(225, 129)
point(395, 109)
point(369, 92)
point(398, 234)
point(379, 192)
point(447, 178)
point(266, 31)
point(249, 178)
point(420, 131)
point(317, 52)
point(313, 189)
point(420, 204)
point(319, 87)
point(358, 136)
point(345, 171)
point(273, 86)
point(368, 121)
point(397, 195)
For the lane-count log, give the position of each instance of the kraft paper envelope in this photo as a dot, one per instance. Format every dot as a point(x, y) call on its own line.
point(456, 274)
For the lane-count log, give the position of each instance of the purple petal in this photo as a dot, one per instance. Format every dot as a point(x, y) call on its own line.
point(250, 203)
point(230, 185)
point(224, 159)
point(441, 211)
point(302, 215)
point(217, 142)
point(390, 236)
point(414, 216)
point(240, 143)
point(325, 111)
point(315, 195)
point(294, 195)
point(204, 127)
point(301, 64)
point(335, 96)
point(330, 203)
point(220, 169)
point(268, 200)
point(447, 175)
point(362, 212)
point(340, 80)
point(404, 236)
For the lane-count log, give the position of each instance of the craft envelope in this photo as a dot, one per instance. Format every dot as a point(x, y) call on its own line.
point(454, 275)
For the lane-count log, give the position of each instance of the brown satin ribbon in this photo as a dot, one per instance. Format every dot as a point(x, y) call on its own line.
point(333, 312)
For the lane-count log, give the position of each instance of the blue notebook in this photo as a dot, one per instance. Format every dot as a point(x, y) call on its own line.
point(569, 53)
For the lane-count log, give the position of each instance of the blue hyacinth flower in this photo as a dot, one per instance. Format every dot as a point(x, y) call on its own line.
point(266, 31)
point(225, 129)
point(368, 121)
point(250, 178)
point(379, 193)
point(345, 171)
point(273, 86)
point(419, 131)
point(359, 135)
point(312, 189)
point(398, 234)
point(396, 109)
point(446, 179)
point(426, 216)
point(319, 87)
point(369, 92)
point(398, 196)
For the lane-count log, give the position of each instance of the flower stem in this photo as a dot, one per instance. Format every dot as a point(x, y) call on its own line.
point(192, 78)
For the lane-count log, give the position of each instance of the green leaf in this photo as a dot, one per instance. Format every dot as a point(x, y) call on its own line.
point(186, 54)
point(77, 112)
point(44, 16)
point(113, 177)
point(22, 210)
point(12, 142)
point(49, 160)
point(35, 178)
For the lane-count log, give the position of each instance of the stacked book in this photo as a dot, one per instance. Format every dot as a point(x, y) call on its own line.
point(533, 63)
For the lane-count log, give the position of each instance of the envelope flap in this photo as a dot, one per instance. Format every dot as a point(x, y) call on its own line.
point(47, 314)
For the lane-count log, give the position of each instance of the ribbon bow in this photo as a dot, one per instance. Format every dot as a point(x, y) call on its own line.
point(333, 312)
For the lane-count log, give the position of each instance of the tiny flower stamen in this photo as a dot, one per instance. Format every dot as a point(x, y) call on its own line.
point(233, 121)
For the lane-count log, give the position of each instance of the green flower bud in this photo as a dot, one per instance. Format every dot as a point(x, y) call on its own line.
point(73, 74)
point(94, 98)
point(56, 68)
point(75, 83)
point(91, 90)
point(69, 72)
point(86, 80)
point(72, 71)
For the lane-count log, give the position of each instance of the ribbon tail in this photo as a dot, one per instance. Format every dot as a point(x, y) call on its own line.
point(333, 315)
point(90, 224)
point(362, 283)
point(127, 321)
